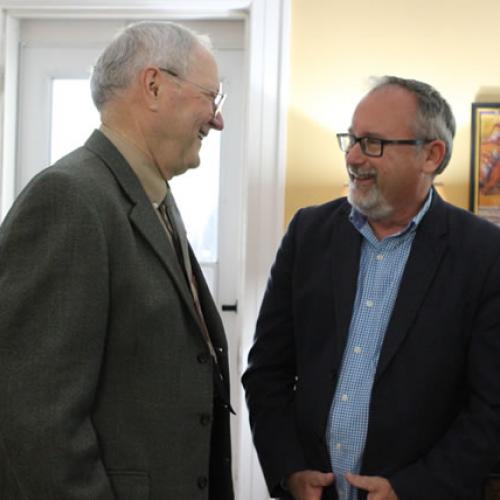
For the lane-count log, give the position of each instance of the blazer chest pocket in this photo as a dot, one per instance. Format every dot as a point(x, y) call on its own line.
point(129, 485)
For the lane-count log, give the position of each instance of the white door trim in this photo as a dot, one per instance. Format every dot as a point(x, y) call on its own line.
point(267, 24)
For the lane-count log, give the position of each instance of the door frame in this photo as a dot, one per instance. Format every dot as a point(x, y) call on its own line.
point(267, 44)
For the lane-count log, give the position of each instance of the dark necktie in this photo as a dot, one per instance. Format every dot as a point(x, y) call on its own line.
point(175, 227)
point(177, 231)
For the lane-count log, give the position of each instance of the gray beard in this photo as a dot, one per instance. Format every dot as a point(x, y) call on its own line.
point(371, 204)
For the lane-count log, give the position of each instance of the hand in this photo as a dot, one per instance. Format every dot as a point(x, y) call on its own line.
point(309, 484)
point(378, 488)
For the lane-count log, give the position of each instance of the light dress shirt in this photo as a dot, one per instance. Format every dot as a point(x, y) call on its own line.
point(381, 267)
point(148, 174)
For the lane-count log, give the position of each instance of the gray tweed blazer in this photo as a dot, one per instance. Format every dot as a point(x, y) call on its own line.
point(106, 385)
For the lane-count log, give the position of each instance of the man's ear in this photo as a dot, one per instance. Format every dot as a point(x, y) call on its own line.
point(434, 152)
point(149, 80)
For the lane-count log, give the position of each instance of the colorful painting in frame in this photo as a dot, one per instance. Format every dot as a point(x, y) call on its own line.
point(485, 161)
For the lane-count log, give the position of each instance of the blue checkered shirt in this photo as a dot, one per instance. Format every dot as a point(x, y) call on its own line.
point(380, 269)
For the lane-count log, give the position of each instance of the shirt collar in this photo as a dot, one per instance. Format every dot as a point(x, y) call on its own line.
point(359, 220)
point(148, 174)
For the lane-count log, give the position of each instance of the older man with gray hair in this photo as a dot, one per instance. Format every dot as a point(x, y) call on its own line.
point(113, 359)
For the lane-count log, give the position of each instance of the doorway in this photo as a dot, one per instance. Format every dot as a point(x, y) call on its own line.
point(264, 123)
point(56, 115)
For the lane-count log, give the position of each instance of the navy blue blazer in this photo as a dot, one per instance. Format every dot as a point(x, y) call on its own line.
point(434, 428)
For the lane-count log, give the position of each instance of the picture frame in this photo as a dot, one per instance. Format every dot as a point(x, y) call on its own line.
point(485, 161)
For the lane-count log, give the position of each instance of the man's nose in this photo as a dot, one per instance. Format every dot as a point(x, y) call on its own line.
point(355, 155)
point(217, 122)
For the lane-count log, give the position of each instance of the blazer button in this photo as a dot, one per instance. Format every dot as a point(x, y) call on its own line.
point(202, 482)
point(203, 357)
point(205, 419)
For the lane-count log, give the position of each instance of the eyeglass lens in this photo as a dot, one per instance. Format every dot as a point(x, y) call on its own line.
point(369, 145)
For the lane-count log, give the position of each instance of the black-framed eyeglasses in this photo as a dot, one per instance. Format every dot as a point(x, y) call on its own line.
point(218, 97)
point(373, 146)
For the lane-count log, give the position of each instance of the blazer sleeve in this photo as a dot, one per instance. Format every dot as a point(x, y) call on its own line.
point(269, 380)
point(461, 459)
point(54, 282)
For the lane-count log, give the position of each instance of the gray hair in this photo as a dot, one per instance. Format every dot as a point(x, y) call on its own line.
point(159, 43)
point(434, 118)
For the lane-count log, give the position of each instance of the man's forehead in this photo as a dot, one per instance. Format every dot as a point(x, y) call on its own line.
point(385, 109)
point(203, 65)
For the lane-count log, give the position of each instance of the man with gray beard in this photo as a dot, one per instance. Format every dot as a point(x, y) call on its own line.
point(374, 371)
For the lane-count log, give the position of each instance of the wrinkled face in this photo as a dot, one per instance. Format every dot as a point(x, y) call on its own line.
point(382, 187)
point(186, 114)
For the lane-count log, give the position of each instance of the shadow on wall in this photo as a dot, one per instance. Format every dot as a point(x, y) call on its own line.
point(488, 94)
point(315, 171)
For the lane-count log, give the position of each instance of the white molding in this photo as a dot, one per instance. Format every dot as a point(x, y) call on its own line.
point(178, 9)
point(265, 132)
point(10, 63)
point(121, 13)
point(265, 162)
point(176, 5)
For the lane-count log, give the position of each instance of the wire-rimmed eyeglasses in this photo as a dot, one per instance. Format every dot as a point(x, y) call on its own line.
point(374, 146)
point(218, 98)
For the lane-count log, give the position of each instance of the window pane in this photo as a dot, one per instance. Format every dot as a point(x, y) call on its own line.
point(197, 195)
point(196, 192)
point(74, 116)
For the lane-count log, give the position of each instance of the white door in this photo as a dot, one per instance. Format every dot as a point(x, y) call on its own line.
point(56, 115)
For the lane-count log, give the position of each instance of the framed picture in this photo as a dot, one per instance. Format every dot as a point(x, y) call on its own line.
point(485, 161)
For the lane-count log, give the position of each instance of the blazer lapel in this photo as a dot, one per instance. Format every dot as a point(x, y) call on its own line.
point(341, 248)
point(146, 222)
point(345, 251)
point(142, 214)
point(428, 249)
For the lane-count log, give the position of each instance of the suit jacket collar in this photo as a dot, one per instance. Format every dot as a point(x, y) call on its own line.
point(428, 250)
point(142, 214)
point(148, 174)
point(345, 252)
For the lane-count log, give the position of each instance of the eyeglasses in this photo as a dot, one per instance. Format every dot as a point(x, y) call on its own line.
point(373, 146)
point(218, 98)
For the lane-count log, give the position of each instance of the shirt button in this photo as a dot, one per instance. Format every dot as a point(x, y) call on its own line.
point(344, 397)
point(380, 257)
point(369, 303)
point(202, 482)
point(338, 446)
point(357, 349)
point(205, 419)
point(203, 357)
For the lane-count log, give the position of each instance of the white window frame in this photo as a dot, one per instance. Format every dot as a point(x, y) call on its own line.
point(267, 23)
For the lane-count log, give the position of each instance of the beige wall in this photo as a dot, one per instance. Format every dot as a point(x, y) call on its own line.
point(337, 45)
